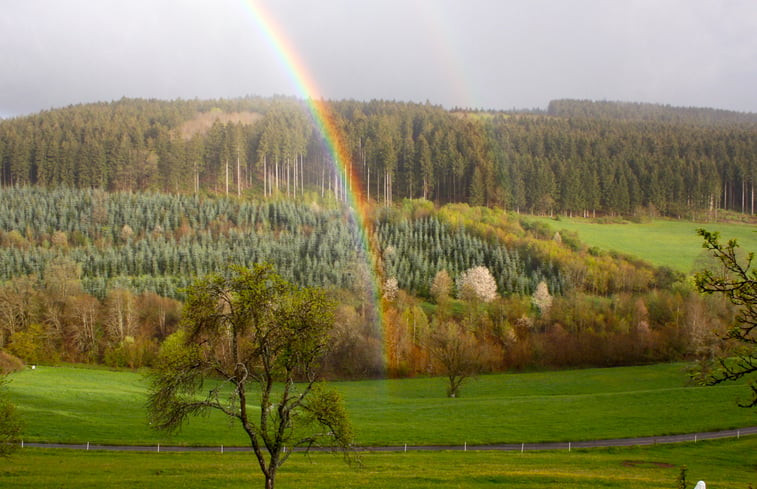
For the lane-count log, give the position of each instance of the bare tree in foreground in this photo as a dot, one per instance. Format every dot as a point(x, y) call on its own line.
point(247, 339)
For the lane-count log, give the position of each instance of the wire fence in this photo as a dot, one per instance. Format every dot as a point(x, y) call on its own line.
point(512, 447)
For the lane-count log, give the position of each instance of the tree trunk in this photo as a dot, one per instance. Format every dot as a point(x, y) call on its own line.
point(725, 195)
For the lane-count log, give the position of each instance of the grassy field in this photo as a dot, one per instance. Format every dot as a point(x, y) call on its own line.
point(661, 242)
point(724, 463)
point(65, 404)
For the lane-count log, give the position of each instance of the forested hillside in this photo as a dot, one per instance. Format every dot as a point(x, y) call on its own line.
point(162, 242)
point(107, 211)
point(579, 158)
point(93, 276)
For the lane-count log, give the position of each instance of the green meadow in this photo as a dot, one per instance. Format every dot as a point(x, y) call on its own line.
point(78, 405)
point(673, 243)
point(721, 464)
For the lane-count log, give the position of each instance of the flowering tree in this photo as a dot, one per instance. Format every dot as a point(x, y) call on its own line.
point(542, 298)
point(441, 287)
point(477, 284)
point(391, 289)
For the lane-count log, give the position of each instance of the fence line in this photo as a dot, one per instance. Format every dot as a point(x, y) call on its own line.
point(569, 445)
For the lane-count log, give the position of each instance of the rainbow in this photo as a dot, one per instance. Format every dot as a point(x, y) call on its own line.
point(332, 136)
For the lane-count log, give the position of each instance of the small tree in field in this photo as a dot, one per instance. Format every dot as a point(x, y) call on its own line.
point(457, 351)
point(477, 284)
point(245, 339)
point(737, 280)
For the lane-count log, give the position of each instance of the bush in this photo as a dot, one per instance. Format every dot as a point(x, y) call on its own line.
point(9, 363)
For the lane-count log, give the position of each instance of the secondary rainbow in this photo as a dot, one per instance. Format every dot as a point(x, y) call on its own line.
point(323, 119)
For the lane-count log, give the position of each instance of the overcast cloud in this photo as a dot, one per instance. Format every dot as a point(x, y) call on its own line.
point(497, 54)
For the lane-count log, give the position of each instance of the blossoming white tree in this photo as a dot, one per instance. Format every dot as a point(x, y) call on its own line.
point(477, 283)
point(542, 298)
point(391, 289)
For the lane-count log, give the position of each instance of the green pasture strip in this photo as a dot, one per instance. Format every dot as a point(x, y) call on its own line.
point(661, 242)
point(79, 405)
point(550, 406)
point(722, 463)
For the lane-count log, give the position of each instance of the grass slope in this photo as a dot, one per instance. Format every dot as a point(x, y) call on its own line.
point(66, 404)
point(661, 242)
point(724, 463)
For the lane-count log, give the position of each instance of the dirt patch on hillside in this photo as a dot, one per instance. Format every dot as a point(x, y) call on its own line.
point(203, 121)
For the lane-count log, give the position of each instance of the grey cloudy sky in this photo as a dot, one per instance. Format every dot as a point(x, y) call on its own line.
point(497, 54)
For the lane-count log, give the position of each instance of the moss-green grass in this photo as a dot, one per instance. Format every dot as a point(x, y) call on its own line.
point(723, 463)
point(662, 242)
point(76, 405)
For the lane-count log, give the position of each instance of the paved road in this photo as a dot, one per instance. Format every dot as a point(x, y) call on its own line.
point(618, 442)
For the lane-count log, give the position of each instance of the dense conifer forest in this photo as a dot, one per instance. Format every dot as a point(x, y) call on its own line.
point(577, 158)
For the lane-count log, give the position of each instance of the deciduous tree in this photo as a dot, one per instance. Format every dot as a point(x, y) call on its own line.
point(441, 287)
point(457, 351)
point(252, 331)
point(737, 280)
point(477, 284)
point(542, 299)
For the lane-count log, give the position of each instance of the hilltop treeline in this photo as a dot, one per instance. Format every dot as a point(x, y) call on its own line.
point(579, 158)
point(634, 111)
